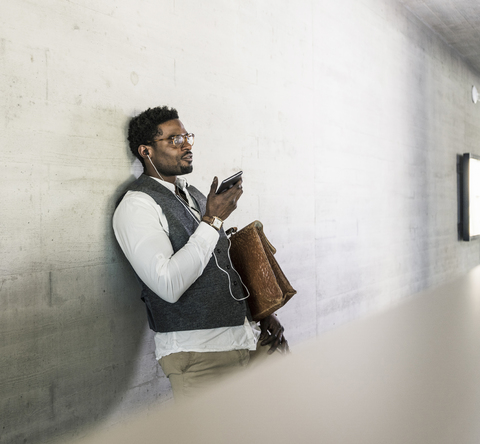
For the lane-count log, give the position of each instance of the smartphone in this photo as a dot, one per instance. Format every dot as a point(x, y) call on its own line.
point(229, 182)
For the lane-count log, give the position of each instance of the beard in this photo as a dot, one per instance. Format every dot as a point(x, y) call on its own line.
point(186, 169)
point(177, 170)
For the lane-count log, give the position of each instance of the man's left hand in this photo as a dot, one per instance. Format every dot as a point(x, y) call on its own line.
point(272, 333)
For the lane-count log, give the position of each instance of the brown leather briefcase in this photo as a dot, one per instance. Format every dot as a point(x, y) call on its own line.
point(253, 257)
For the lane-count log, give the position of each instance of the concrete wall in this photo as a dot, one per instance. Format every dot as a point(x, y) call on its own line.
point(345, 116)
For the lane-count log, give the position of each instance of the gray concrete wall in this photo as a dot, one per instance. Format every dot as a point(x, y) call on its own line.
point(345, 116)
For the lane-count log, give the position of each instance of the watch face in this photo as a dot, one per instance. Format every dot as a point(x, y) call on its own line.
point(217, 223)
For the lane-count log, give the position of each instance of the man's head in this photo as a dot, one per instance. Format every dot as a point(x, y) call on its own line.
point(144, 127)
point(158, 138)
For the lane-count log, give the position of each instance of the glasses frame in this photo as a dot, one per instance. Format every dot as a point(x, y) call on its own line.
point(183, 136)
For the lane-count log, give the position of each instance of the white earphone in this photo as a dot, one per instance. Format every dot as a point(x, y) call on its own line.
point(159, 175)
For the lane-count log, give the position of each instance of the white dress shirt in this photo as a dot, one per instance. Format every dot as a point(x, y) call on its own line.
point(141, 229)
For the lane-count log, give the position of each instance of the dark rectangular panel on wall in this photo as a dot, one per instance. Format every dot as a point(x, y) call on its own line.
point(470, 176)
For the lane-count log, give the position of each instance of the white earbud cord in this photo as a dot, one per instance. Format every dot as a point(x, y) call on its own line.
point(233, 268)
point(159, 175)
point(216, 261)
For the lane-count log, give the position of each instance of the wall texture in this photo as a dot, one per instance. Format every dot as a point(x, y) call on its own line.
point(346, 118)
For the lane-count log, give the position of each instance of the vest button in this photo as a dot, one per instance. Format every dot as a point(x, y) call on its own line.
point(234, 282)
point(218, 250)
point(228, 267)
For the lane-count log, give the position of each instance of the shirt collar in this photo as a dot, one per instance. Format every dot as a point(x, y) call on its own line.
point(181, 183)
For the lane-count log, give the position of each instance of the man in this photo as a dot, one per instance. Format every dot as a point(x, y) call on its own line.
point(172, 236)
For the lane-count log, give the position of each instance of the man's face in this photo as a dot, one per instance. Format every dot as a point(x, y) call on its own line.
point(169, 159)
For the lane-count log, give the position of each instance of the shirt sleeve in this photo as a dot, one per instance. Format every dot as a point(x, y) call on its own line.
point(141, 230)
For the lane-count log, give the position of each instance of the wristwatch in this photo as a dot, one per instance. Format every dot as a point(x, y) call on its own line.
point(213, 221)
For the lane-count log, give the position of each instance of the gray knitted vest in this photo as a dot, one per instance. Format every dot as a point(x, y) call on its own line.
point(208, 302)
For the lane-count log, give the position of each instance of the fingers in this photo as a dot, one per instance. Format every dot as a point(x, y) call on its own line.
point(234, 192)
point(223, 204)
point(213, 186)
point(281, 345)
point(276, 344)
point(272, 334)
point(275, 339)
point(268, 339)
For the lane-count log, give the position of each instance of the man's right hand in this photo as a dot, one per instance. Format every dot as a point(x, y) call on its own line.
point(224, 204)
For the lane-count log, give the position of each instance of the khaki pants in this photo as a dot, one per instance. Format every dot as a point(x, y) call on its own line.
point(191, 372)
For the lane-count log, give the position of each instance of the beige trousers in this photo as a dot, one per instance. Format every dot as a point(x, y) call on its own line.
point(192, 372)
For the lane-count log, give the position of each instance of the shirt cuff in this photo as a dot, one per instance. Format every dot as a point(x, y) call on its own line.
point(207, 235)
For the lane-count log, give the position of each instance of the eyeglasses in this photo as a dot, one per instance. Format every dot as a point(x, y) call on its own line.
point(180, 139)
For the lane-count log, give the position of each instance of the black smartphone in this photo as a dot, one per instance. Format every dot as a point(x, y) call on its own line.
point(229, 182)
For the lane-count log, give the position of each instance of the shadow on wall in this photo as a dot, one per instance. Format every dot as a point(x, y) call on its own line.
point(75, 349)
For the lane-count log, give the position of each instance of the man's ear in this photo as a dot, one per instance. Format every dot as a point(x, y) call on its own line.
point(144, 151)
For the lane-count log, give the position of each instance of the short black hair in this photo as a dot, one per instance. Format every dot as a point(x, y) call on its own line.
point(144, 127)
